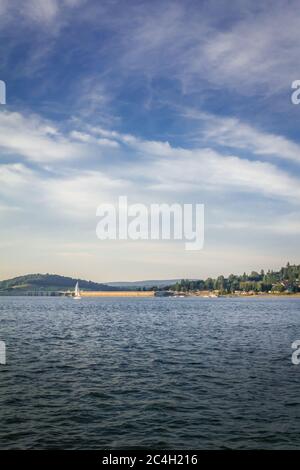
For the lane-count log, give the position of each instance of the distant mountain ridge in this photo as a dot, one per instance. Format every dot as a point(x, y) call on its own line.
point(148, 283)
point(49, 282)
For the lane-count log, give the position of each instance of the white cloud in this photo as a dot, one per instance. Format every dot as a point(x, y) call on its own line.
point(234, 133)
point(171, 169)
point(88, 138)
point(206, 169)
point(74, 195)
point(15, 179)
point(257, 51)
point(149, 169)
point(34, 139)
point(40, 11)
point(78, 195)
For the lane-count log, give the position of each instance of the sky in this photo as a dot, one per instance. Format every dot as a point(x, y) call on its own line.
point(162, 101)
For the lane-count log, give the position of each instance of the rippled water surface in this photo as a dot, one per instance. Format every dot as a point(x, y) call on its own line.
point(149, 373)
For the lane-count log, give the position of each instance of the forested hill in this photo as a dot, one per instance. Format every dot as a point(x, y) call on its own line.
point(49, 282)
point(287, 279)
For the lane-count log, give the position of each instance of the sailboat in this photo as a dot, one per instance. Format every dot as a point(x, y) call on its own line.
point(77, 292)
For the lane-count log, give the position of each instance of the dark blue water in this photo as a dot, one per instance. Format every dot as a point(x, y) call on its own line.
point(149, 373)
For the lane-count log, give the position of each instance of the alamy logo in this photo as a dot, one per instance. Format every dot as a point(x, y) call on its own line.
point(152, 222)
point(2, 92)
point(296, 353)
point(2, 353)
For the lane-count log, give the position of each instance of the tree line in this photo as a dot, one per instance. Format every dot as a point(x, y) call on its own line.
point(287, 279)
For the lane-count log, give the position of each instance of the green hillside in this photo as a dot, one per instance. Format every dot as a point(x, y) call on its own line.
point(48, 283)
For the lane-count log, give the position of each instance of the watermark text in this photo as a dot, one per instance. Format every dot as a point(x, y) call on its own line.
point(152, 222)
point(296, 353)
point(2, 353)
point(2, 92)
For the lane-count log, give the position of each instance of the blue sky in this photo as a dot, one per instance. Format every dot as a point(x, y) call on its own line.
point(164, 102)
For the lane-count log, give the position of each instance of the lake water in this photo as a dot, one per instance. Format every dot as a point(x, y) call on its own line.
point(149, 373)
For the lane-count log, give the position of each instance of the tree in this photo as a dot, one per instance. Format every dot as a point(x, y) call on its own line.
point(209, 283)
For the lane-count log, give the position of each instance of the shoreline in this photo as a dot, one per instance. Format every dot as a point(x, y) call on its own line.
point(152, 294)
point(117, 293)
point(247, 296)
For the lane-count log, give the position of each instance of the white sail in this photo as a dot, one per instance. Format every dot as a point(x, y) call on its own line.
point(77, 291)
point(77, 288)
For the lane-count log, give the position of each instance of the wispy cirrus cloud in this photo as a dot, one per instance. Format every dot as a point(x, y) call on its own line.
point(233, 133)
point(38, 12)
point(34, 138)
point(169, 168)
point(242, 46)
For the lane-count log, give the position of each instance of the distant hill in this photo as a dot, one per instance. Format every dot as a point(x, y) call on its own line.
point(140, 284)
point(48, 282)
